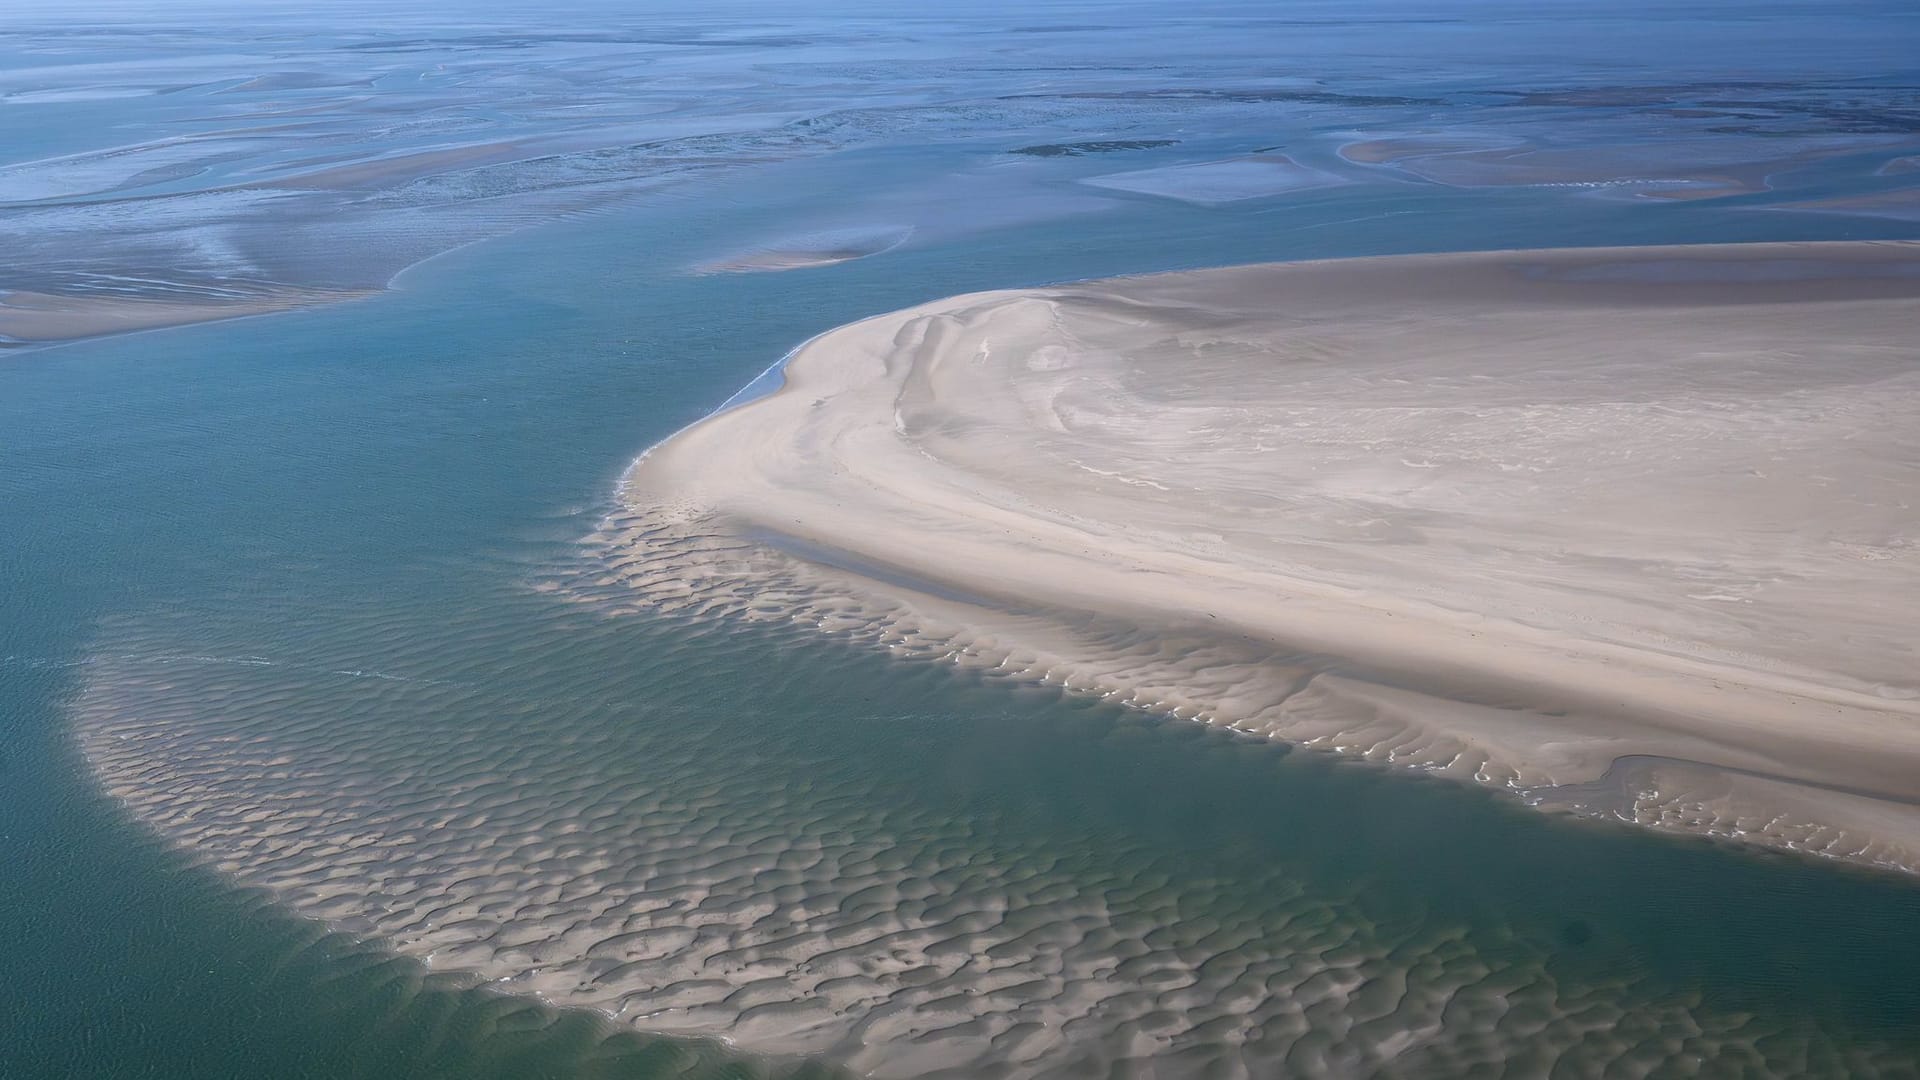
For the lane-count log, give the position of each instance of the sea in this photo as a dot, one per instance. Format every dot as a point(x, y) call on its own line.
point(522, 243)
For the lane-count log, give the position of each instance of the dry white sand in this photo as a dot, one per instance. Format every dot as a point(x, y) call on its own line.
point(1632, 530)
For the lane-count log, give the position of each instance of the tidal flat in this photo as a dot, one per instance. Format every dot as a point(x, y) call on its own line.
point(356, 721)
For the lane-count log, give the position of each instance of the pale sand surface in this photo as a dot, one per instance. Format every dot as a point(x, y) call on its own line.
point(771, 262)
point(818, 249)
point(35, 317)
point(1630, 530)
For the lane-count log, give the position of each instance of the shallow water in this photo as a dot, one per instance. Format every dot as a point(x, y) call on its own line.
point(307, 551)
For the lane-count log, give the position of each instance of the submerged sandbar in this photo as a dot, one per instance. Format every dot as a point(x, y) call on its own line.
point(1630, 530)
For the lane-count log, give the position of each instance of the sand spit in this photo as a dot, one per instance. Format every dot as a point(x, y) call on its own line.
point(1627, 530)
point(816, 249)
point(38, 318)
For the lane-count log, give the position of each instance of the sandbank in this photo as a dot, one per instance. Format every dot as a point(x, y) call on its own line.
point(37, 318)
point(1899, 205)
point(816, 249)
point(1630, 531)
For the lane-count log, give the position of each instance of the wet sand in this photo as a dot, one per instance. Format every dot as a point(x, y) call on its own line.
point(817, 249)
point(1628, 531)
point(34, 318)
point(1899, 205)
point(1664, 170)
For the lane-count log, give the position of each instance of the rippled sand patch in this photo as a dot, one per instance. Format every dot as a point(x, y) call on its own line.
point(613, 856)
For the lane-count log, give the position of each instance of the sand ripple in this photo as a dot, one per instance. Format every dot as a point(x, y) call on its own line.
point(608, 855)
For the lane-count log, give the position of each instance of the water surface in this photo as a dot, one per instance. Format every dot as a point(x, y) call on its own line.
point(327, 532)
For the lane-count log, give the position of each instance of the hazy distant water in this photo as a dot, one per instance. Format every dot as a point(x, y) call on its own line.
point(195, 154)
point(260, 520)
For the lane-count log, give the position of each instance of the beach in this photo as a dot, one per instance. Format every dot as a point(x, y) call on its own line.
point(1628, 531)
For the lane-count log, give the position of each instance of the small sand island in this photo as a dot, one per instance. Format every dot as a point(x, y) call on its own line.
point(1634, 532)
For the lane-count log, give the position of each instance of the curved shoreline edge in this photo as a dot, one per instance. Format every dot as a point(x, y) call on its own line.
point(1621, 529)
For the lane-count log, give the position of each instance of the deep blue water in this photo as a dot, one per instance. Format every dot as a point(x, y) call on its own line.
point(237, 522)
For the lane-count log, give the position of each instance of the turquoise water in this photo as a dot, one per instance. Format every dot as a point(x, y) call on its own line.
point(329, 531)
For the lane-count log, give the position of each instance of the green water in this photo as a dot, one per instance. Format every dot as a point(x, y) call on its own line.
point(328, 529)
point(373, 487)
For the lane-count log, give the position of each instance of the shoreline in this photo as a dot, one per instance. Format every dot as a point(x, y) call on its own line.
point(910, 442)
